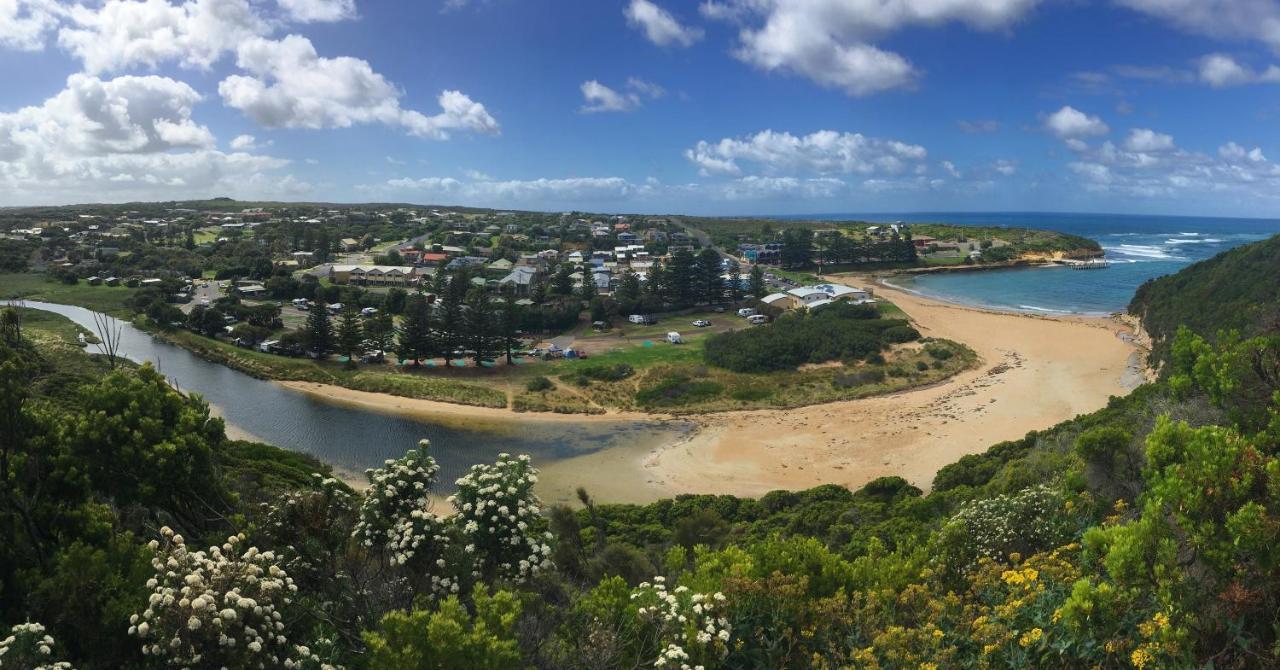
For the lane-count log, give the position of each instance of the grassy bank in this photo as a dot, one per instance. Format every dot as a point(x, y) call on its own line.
point(374, 380)
point(36, 286)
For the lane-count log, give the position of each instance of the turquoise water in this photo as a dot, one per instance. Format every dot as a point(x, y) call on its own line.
point(1139, 248)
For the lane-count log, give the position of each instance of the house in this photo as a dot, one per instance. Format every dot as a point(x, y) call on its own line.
point(779, 300)
point(111, 281)
point(519, 280)
point(252, 290)
point(349, 244)
point(374, 275)
point(809, 296)
point(922, 241)
point(465, 262)
point(501, 265)
point(433, 258)
point(603, 278)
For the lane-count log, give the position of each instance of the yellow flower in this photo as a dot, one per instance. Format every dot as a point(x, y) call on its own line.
point(937, 633)
point(1161, 620)
point(1140, 658)
point(1112, 646)
point(928, 666)
point(989, 648)
point(1030, 637)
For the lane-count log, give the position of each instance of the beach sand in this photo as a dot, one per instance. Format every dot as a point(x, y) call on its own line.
point(1035, 372)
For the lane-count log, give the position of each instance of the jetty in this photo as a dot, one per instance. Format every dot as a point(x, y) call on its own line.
point(1091, 264)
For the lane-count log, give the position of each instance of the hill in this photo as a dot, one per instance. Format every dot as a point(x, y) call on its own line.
point(1235, 290)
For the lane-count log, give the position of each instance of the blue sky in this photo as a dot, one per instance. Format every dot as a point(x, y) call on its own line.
point(708, 107)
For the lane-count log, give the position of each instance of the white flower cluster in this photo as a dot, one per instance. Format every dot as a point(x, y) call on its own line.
point(692, 627)
point(1020, 522)
point(219, 608)
point(396, 513)
point(499, 516)
point(29, 647)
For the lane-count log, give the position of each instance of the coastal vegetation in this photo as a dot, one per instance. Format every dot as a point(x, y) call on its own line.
point(1137, 536)
point(1237, 290)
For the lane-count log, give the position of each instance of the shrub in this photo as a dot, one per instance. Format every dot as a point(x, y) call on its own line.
point(835, 333)
point(922, 366)
point(539, 384)
point(678, 390)
point(939, 352)
point(860, 378)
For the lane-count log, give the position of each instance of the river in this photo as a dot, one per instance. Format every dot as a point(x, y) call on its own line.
point(353, 439)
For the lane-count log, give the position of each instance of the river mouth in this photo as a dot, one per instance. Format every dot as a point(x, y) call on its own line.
point(352, 439)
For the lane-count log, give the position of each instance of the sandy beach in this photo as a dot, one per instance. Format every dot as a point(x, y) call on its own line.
point(1035, 372)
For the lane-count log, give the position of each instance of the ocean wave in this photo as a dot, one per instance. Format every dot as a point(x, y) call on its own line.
point(1144, 251)
point(1042, 309)
point(1202, 240)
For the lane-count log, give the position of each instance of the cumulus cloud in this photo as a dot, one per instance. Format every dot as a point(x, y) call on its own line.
point(24, 23)
point(1256, 20)
point(1145, 140)
point(291, 86)
point(244, 143)
point(126, 138)
point(600, 98)
point(121, 34)
point(659, 26)
point(515, 191)
point(950, 169)
point(825, 152)
point(1005, 167)
point(319, 11)
point(1156, 167)
point(1220, 70)
point(831, 41)
point(1070, 123)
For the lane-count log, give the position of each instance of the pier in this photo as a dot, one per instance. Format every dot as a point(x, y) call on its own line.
point(1091, 264)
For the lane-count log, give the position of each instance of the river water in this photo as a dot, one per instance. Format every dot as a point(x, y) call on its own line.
point(353, 439)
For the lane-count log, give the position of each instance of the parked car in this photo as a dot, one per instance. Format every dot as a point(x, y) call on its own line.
point(747, 312)
point(674, 338)
point(701, 323)
point(757, 319)
point(641, 319)
point(369, 311)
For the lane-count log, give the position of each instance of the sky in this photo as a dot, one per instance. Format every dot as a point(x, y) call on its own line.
point(662, 106)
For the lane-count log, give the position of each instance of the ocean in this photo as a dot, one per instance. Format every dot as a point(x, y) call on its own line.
point(1139, 248)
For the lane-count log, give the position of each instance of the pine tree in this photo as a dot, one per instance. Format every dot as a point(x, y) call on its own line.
point(682, 281)
point(379, 330)
point(709, 283)
point(451, 325)
point(509, 327)
point(350, 334)
point(414, 337)
point(628, 293)
point(588, 289)
point(563, 282)
point(755, 284)
point(480, 325)
point(319, 332)
point(734, 289)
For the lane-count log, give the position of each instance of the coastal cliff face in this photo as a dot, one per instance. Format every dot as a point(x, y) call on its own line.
point(1082, 253)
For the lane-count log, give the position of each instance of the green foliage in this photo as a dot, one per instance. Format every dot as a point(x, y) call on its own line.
point(834, 333)
point(539, 384)
point(1236, 290)
point(449, 638)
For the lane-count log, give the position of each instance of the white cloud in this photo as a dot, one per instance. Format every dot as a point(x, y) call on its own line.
point(758, 188)
point(125, 138)
point(126, 33)
point(979, 126)
point(533, 191)
point(293, 87)
point(1235, 153)
point(659, 25)
point(1220, 70)
point(24, 23)
point(600, 98)
point(1164, 170)
point(951, 169)
point(824, 152)
point(830, 41)
point(1145, 140)
point(1071, 123)
point(1005, 167)
point(1257, 20)
point(244, 143)
point(321, 11)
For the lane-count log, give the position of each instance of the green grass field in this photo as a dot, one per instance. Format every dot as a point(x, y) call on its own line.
point(35, 286)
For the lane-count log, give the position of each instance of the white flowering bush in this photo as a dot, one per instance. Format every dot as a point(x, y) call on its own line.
point(1030, 520)
point(28, 647)
point(499, 518)
point(692, 629)
point(217, 608)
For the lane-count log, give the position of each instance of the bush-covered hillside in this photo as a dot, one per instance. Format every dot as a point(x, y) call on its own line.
point(1236, 290)
point(1144, 535)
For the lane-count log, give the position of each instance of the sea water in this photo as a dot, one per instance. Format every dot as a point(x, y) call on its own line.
point(1138, 248)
